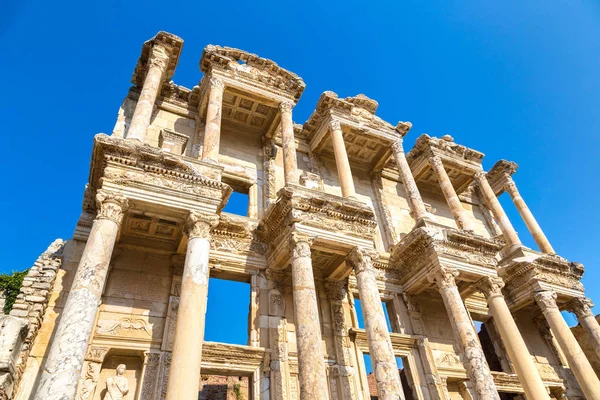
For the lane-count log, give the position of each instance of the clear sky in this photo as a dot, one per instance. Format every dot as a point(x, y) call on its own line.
point(516, 80)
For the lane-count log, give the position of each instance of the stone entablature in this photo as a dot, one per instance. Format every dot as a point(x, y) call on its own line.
point(167, 41)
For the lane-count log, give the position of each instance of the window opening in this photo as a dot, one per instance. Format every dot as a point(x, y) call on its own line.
point(487, 343)
point(221, 387)
point(359, 314)
point(402, 370)
point(227, 311)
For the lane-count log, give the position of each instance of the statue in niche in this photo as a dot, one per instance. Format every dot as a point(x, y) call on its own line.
point(117, 386)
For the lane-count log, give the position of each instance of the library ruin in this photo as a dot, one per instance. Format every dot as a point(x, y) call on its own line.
point(357, 255)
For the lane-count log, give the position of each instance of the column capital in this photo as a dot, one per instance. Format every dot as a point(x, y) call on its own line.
point(159, 57)
point(361, 260)
point(581, 307)
point(336, 290)
point(286, 107)
point(199, 225)
point(491, 286)
point(436, 162)
point(397, 146)
point(546, 300)
point(443, 277)
point(300, 245)
point(111, 206)
point(511, 187)
point(480, 175)
point(335, 125)
point(216, 83)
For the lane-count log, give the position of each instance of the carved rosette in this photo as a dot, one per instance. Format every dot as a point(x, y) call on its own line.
point(286, 107)
point(397, 146)
point(199, 225)
point(300, 245)
point(159, 57)
point(581, 307)
point(491, 286)
point(443, 277)
point(111, 206)
point(546, 300)
point(216, 83)
point(335, 125)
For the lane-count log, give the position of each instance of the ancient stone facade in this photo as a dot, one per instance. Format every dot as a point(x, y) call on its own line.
point(452, 304)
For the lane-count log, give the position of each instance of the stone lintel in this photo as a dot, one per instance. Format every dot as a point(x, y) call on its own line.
point(526, 272)
point(426, 249)
point(402, 343)
point(221, 358)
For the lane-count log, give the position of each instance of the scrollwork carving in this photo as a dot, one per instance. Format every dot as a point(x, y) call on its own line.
point(546, 300)
point(336, 290)
point(335, 125)
point(286, 107)
point(159, 57)
point(491, 286)
point(300, 245)
point(361, 260)
point(200, 224)
point(111, 206)
point(216, 83)
point(443, 277)
point(581, 307)
point(397, 146)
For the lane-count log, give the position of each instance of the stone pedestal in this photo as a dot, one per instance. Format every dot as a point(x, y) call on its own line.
point(579, 364)
point(415, 202)
point(184, 375)
point(67, 351)
point(582, 307)
point(474, 360)
point(508, 231)
point(212, 130)
point(528, 218)
point(513, 341)
point(311, 364)
point(290, 164)
point(381, 351)
point(341, 160)
point(457, 210)
point(157, 66)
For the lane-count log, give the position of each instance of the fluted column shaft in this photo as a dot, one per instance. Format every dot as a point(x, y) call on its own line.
point(474, 360)
point(528, 218)
point(341, 160)
point(311, 364)
point(582, 308)
point(184, 375)
point(513, 341)
point(212, 130)
point(387, 378)
point(456, 208)
point(290, 163)
point(579, 364)
point(157, 66)
point(67, 350)
point(508, 231)
point(415, 201)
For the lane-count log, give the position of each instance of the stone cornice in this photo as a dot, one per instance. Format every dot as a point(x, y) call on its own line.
point(500, 174)
point(252, 68)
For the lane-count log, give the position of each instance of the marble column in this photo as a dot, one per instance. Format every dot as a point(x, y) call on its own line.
point(157, 66)
point(528, 218)
point(582, 308)
point(513, 341)
point(212, 130)
point(311, 363)
point(474, 360)
point(508, 231)
point(337, 293)
point(186, 359)
point(290, 164)
point(68, 348)
point(456, 208)
point(341, 160)
point(387, 377)
point(579, 364)
point(253, 314)
point(415, 202)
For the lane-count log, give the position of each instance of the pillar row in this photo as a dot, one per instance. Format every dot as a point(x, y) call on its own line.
point(508, 231)
point(530, 221)
point(184, 374)
point(311, 364)
point(341, 160)
point(62, 370)
point(513, 341)
point(212, 130)
point(387, 378)
point(157, 66)
point(290, 163)
point(579, 364)
point(474, 360)
point(582, 308)
point(415, 201)
point(456, 208)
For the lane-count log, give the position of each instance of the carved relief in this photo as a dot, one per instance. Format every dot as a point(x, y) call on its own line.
point(111, 206)
point(127, 326)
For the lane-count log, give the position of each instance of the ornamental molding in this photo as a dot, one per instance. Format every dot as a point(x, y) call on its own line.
point(111, 206)
point(199, 225)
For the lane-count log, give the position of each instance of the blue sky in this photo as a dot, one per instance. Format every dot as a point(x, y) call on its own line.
point(515, 80)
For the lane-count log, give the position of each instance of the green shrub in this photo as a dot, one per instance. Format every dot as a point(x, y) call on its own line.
point(10, 284)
